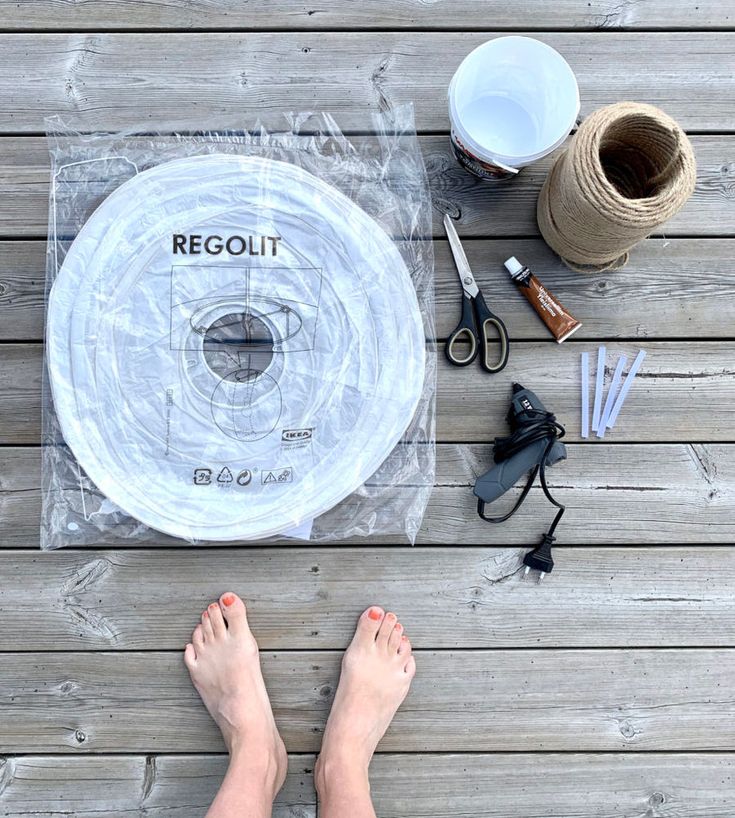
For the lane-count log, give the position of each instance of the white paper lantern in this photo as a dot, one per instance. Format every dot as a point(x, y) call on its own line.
point(233, 347)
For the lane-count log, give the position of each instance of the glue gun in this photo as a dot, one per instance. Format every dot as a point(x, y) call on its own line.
point(524, 414)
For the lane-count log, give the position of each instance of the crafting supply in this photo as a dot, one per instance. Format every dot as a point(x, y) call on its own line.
point(585, 394)
point(533, 444)
point(479, 331)
point(559, 321)
point(612, 392)
point(512, 101)
point(627, 170)
point(222, 398)
point(636, 365)
point(599, 388)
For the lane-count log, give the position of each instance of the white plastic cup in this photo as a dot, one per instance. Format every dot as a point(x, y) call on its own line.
point(512, 101)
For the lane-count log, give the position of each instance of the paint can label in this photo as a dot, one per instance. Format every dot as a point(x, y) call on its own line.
point(478, 167)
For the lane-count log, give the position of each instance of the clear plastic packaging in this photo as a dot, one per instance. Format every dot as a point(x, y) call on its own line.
point(239, 337)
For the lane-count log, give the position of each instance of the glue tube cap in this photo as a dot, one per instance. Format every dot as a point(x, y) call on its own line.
point(513, 266)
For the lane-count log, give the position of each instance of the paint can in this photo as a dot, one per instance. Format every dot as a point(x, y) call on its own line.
point(512, 101)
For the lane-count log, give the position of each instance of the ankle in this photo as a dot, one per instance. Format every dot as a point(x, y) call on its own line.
point(267, 764)
point(337, 770)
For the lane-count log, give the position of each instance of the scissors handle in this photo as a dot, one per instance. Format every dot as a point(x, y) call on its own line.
point(461, 348)
point(492, 334)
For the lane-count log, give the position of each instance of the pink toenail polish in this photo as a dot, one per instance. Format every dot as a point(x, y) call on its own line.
point(374, 614)
point(228, 599)
point(404, 639)
point(391, 616)
point(205, 613)
point(398, 626)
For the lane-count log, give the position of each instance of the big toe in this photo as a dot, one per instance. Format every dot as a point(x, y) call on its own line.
point(369, 624)
point(233, 610)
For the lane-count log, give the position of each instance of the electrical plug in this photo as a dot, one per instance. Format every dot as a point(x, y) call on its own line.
point(540, 558)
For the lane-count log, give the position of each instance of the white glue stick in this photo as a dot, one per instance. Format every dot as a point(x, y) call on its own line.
point(599, 387)
point(614, 386)
point(585, 394)
point(626, 388)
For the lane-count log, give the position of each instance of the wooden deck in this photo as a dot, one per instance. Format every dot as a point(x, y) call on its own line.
point(605, 691)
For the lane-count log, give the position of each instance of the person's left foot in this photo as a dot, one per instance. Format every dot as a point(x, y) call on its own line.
point(224, 665)
point(377, 670)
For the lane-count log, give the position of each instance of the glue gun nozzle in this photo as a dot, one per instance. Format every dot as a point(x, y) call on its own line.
point(517, 387)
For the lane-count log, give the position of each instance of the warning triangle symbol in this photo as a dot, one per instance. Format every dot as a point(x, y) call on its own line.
point(271, 478)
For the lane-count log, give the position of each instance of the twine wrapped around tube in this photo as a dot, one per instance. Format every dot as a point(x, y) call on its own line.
point(628, 169)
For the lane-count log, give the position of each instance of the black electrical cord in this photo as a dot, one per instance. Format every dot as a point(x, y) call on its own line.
point(545, 427)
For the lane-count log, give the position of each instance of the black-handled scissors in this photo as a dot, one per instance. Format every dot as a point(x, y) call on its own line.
point(479, 331)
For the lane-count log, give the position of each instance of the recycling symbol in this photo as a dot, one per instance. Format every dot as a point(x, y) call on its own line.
point(225, 476)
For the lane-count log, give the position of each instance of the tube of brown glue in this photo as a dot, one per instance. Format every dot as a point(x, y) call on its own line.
point(561, 323)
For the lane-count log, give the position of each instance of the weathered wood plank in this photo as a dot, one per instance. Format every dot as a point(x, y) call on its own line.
point(442, 785)
point(310, 598)
point(504, 700)
point(156, 786)
point(615, 495)
point(20, 390)
point(488, 210)
point(101, 15)
point(671, 288)
point(482, 210)
point(117, 79)
point(22, 287)
point(688, 280)
point(690, 384)
point(677, 395)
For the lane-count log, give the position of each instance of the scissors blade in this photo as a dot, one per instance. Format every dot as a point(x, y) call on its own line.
point(460, 259)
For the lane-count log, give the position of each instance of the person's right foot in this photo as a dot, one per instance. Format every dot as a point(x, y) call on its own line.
point(223, 661)
point(377, 670)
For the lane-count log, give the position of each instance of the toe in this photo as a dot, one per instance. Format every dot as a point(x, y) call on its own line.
point(217, 620)
point(207, 631)
point(233, 610)
point(198, 638)
point(386, 629)
point(394, 640)
point(369, 624)
point(411, 667)
point(404, 649)
point(190, 656)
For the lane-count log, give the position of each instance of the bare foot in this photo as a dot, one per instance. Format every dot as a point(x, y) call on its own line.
point(224, 665)
point(377, 670)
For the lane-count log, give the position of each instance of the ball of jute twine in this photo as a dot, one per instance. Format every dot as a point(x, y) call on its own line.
point(628, 169)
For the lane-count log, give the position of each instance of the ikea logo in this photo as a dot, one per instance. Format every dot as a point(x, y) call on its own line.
point(293, 435)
